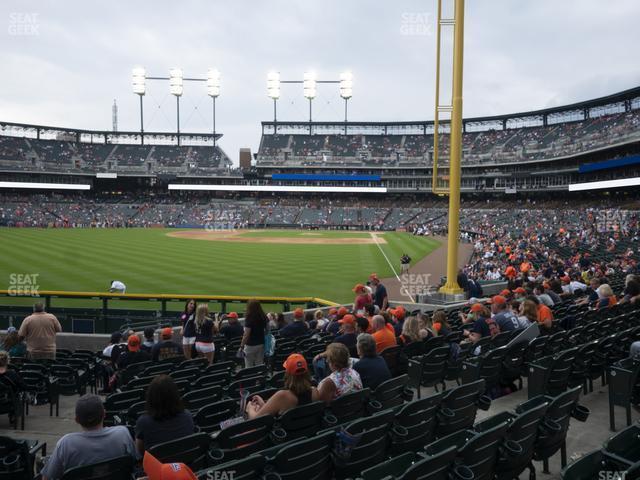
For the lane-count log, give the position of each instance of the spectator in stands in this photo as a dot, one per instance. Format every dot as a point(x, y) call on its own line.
point(334, 324)
point(252, 344)
point(545, 315)
point(133, 354)
point(410, 331)
point(320, 320)
point(592, 293)
point(380, 296)
point(371, 367)
point(440, 323)
point(205, 329)
point(166, 347)
point(631, 292)
point(188, 318)
point(343, 379)
point(165, 418)
point(148, 343)
point(297, 390)
point(10, 377)
point(95, 443)
point(362, 298)
point(281, 321)
point(362, 325)
point(528, 313)
point(39, 330)
point(232, 329)
point(383, 333)
point(398, 315)
point(347, 334)
point(13, 344)
point(481, 324)
point(502, 314)
point(116, 339)
point(539, 291)
point(606, 298)
point(297, 328)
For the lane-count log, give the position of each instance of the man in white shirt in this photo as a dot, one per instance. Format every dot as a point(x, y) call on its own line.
point(117, 287)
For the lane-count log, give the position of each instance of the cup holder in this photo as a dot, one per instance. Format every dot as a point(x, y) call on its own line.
point(580, 413)
point(484, 402)
point(462, 472)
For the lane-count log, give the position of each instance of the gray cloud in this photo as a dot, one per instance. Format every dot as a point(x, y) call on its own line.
point(518, 56)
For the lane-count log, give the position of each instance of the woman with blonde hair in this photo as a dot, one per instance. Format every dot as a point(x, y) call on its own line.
point(205, 329)
point(410, 331)
point(528, 313)
point(343, 379)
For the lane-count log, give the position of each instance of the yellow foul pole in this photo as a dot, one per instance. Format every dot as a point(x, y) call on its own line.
point(451, 286)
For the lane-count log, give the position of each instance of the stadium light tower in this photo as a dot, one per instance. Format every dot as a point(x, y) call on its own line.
point(139, 88)
point(273, 90)
point(346, 92)
point(213, 90)
point(176, 88)
point(309, 89)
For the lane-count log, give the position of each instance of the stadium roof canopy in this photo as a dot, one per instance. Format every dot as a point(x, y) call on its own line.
point(614, 103)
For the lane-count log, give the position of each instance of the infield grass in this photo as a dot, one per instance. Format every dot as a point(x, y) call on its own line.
point(149, 261)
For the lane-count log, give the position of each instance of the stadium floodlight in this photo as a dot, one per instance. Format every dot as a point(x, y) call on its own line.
point(175, 87)
point(213, 90)
point(138, 78)
point(346, 92)
point(273, 91)
point(309, 89)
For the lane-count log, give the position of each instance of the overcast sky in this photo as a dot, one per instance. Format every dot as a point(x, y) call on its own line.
point(64, 62)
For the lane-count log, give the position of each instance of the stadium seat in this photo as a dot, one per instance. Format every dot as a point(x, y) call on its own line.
point(302, 421)
point(391, 393)
point(119, 468)
point(17, 458)
point(459, 406)
point(624, 385)
point(488, 367)
point(208, 418)
point(308, 459)
point(242, 439)
point(41, 388)
point(249, 468)
point(418, 420)
point(190, 450)
point(593, 465)
point(623, 449)
point(412, 466)
point(12, 404)
point(198, 398)
point(429, 369)
point(348, 407)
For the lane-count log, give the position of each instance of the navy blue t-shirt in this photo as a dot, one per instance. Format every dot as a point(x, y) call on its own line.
point(373, 371)
point(380, 295)
point(294, 329)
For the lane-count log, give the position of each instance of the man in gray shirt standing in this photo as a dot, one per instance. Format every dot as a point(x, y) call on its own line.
point(95, 443)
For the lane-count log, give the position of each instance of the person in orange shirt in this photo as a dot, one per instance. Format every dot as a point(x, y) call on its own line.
point(384, 337)
point(510, 272)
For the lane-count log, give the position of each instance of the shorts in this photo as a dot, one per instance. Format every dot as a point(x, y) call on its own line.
point(203, 347)
point(188, 340)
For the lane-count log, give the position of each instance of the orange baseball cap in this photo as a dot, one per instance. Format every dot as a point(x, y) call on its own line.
point(498, 299)
point(298, 313)
point(133, 344)
point(520, 290)
point(333, 311)
point(349, 319)
point(506, 293)
point(373, 276)
point(166, 471)
point(342, 311)
point(295, 364)
point(359, 288)
point(399, 312)
point(166, 332)
point(232, 315)
point(477, 307)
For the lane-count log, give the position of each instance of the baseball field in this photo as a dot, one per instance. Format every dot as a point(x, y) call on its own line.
point(325, 264)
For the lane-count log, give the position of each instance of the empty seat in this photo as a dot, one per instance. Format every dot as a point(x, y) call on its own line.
point(308, 459)
point(459, 407)
point(190, 450)
point(418, 420)
point(302, 421)
point(429, 370)
point(391, 393)
point(209, 417)
point(119, 468)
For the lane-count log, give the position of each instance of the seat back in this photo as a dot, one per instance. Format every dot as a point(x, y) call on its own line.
point(459, 407)
point(219, 379)
point(556, 423)
point(245, 438)
point(199, 363)
point(302, 421)
point(209, 417)
point(250, 372)
point(196, 399)
point(419, 419)
point(429, 369)
point(117, 402)
point(350, 406)
point(395, 360)
point(185, 373)
point(249, 468)
point(480, 453)
point(119, 468)
point(308, 459)
point(190, 450)
point(248, 384)
point(392, 392)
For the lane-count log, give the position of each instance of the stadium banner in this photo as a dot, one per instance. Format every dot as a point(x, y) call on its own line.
point(309, 177)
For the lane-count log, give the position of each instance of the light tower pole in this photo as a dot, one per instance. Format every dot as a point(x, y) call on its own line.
point(213, 90)
point(176, 89)
point(139, 88)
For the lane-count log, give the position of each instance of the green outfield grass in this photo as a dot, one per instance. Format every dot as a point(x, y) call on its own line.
point(149, 261)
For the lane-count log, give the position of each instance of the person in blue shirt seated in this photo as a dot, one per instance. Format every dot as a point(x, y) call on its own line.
point(372, 368)
point(297, 328)
point(347, 334)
